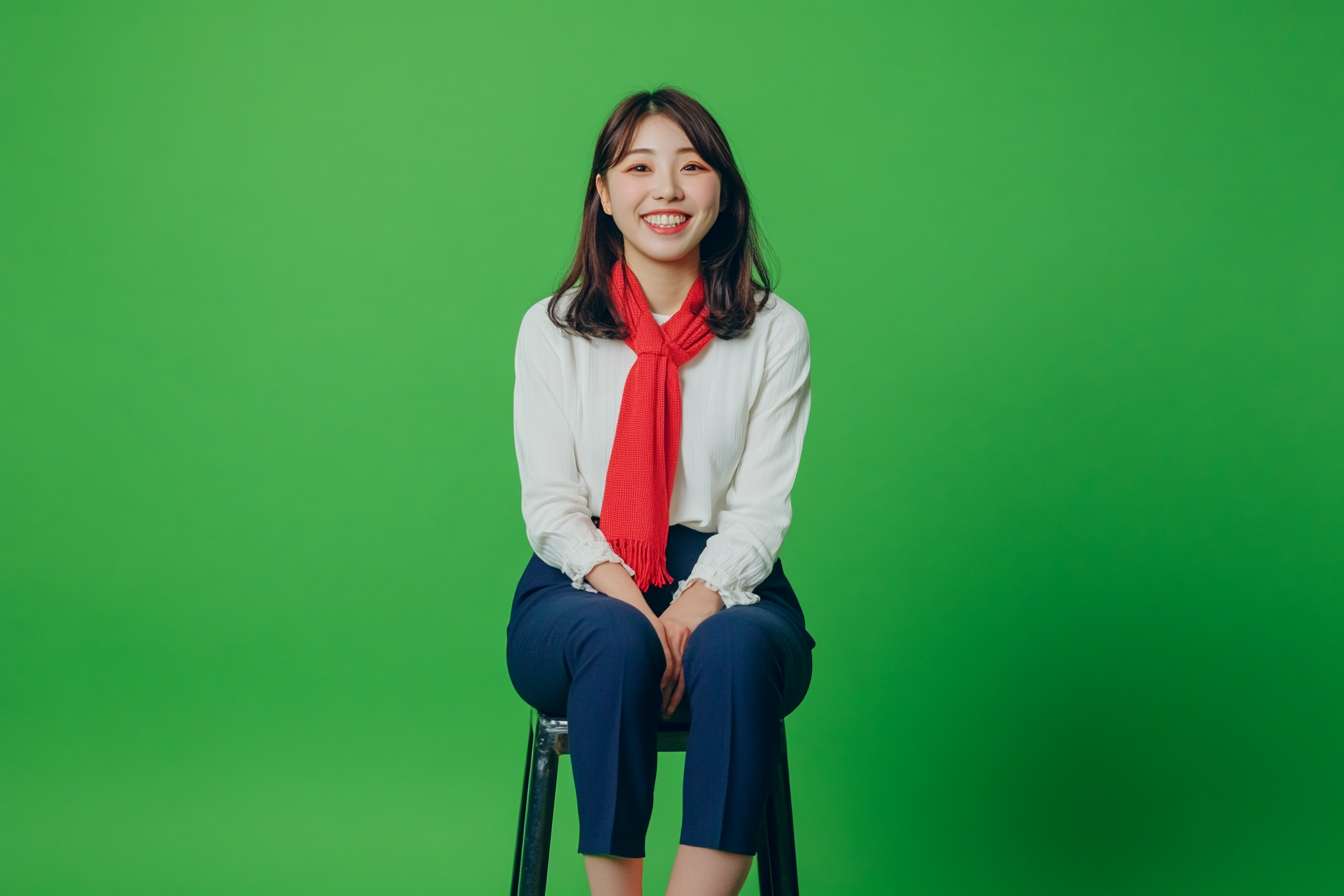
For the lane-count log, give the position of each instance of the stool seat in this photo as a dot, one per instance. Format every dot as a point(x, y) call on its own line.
point(548, 740)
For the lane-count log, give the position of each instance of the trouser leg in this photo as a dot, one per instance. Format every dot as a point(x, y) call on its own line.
point(746, 668)
point(598, 662)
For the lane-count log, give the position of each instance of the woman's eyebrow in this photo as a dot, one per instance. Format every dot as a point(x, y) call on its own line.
point(684, 149)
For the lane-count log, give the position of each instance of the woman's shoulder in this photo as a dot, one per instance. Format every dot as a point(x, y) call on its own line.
point(782, 323)
point(536, 312)
point(777, 308)
point(537, 318)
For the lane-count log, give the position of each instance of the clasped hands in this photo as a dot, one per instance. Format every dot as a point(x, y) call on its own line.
point(696, 604)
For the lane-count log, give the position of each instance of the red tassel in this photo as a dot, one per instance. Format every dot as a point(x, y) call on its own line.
point(650, 566)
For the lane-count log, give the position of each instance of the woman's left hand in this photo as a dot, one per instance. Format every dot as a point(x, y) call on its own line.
point(696, 604)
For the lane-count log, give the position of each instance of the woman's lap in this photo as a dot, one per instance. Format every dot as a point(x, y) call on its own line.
point(554, 625)
point(755, 645)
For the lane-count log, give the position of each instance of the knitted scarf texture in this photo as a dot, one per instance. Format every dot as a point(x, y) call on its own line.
point(643, 461)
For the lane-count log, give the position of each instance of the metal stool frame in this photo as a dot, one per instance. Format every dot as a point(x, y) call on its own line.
point(548, 740)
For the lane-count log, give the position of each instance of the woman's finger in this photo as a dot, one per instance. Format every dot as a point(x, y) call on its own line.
point(670, 664)
point(677, 642)
point(670, 673)
point(678, 693)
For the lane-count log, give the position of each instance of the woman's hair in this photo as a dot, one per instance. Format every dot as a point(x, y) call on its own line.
point(728, 253)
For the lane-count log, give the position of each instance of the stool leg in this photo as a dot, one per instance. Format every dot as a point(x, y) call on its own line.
point(540, 814)
point(522, 812)
point(779, 870)
point(765, 869)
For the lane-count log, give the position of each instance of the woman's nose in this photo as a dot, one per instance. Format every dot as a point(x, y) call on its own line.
point(668, 188)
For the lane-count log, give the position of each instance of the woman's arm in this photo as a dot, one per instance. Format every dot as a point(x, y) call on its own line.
point(554, 501)
point(757, 511)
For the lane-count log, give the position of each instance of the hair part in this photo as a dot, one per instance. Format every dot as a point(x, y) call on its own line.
point(731, 258)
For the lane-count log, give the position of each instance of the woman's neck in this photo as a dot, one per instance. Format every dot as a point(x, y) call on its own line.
point(665, 283)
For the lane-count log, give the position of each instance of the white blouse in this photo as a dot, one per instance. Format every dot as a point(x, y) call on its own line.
point(745, 403)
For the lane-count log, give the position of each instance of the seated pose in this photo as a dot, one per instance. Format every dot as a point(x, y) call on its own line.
point(659, 409)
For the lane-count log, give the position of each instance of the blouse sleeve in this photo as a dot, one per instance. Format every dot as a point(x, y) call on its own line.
point(757, 511)
point(555, 502)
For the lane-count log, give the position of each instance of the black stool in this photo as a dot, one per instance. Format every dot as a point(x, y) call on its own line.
point(776, 861)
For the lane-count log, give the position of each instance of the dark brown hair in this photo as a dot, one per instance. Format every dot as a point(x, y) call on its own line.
point(729, 253)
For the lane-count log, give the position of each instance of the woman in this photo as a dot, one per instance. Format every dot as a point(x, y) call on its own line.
point(659, 409)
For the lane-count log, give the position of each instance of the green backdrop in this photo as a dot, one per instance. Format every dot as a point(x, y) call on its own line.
point(1070, 524)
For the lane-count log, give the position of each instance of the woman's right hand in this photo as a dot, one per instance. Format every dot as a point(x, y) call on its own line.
point(612, 580)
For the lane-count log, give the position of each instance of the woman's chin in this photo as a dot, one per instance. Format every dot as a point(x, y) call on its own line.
point(664, 251)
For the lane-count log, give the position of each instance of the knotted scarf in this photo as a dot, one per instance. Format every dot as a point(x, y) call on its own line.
point(643, 461)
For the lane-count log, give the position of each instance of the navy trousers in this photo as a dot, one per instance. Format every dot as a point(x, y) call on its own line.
point(598, 662)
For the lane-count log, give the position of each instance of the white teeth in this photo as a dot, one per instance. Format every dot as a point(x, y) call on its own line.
point(665, 220)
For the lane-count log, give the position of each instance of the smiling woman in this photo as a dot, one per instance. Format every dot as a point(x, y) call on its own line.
point(660, 157)
point(656, 534)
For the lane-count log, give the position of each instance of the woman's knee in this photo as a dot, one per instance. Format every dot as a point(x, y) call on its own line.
point(613, 632)
point(732, 644)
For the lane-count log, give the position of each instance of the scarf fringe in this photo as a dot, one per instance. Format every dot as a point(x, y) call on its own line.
point(649, 563)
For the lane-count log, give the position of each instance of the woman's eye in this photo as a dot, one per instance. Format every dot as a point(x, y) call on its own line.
point(639, 168)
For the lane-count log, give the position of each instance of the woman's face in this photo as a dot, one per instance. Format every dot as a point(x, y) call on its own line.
point(662, 195)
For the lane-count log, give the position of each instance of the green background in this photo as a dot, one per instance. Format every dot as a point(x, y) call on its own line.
point(1069, 529)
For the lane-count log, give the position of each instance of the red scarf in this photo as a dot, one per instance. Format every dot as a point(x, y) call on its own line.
point(648, 433)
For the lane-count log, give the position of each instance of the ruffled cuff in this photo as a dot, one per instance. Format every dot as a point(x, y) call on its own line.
point(585, 557)
point(731, 597)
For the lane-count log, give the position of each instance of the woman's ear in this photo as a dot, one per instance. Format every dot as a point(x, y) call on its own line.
point(603, 194)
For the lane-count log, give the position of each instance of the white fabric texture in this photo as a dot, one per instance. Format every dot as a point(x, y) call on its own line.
point(745, 403)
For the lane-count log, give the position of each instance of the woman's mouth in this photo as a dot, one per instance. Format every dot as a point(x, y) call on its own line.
point(666, 222)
